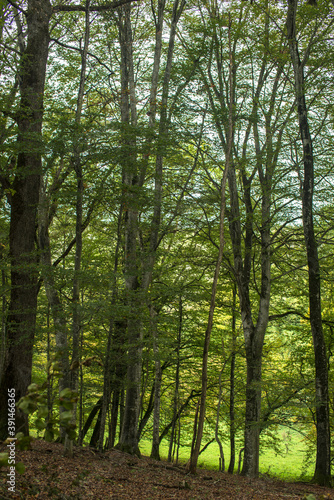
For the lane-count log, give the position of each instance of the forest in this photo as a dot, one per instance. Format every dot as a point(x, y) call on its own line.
point(167, 228)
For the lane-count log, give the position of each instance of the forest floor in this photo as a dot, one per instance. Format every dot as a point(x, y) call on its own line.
point(116, 475)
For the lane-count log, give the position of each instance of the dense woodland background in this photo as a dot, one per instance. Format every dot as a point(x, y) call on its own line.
point(166, 224)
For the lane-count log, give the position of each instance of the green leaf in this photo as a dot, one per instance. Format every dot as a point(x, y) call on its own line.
point(20, 467)
point(66, 393)
point(3, 459)
point(49, 435)
point(24, 443)
point(71, 434)
point(27, 405)
point(40, 424)
point(33, 388)
point(42, 411)
point(66, 416)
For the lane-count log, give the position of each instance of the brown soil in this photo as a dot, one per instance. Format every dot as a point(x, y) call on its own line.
point(117, 475)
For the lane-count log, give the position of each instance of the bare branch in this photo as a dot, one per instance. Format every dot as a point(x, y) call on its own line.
point(96, 8)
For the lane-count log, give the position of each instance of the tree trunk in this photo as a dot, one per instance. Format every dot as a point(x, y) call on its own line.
point(128, 438)
point(322, 474)
point(77, 164)
point(3, 316)
point(118, 368)
point(90, 418)
point(253, 411)
point(198, 430)
point(16, 371)
point(177, 382)
point(96, 432)
point(138, 282)
point(57, 310)
point(232, 387)
point(217, 438)
point(157, 385)
point(114, 358)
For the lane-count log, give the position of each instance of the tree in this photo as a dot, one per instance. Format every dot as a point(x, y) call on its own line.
point(24, 186)
point(322, 473)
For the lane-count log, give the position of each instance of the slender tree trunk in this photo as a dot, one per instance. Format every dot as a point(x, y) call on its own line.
point(81, 396)
point(57, 310)
point(232, 387)
point(77, 164)
point(118, 369)
point(48, 435)
point(157, 385)
point(204, 382)
point(217, 438)
point(115, 359)
point(254, 332)
point(16, 373)
point(96, 408)
point(137, 282)
point(3, 316)
point(322, 474)
point(106, 388)
point(177, 383)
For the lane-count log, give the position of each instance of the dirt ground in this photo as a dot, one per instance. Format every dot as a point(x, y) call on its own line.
point(116, 475)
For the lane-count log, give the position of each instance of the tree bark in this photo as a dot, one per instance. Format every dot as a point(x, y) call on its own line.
point(322, 474)
point(128, 438)
point(16, 371)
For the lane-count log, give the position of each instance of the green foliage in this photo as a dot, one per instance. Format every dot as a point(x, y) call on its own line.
point(6, 458)
point(35, 403)
point(186, 250)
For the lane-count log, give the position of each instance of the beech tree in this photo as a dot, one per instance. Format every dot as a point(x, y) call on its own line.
point(322, 473)
point(23, 184)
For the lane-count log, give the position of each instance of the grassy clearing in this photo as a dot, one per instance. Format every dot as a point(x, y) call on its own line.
point(288, 465)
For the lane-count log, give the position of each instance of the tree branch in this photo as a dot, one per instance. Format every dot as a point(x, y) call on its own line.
point(96, 8)
point(16, 6)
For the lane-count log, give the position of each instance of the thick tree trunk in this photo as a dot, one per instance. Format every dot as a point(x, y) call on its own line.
point(253, 334)
point(16, 371)
point(322, 474)
point(128, 438)
point(253, 412)
point(254, 338)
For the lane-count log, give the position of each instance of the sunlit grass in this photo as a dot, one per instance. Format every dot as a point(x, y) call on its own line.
point(289, 465)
